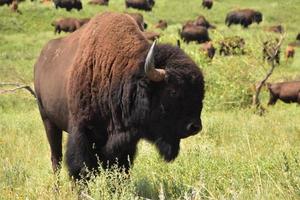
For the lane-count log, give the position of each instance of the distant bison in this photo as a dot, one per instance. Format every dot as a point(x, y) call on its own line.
point(109, 88)
point(162, 24)
point(288, 92)
point(140, 4)
point(68, 4)
point(151, 35)
point(139, 18)
point(191, 32)
point(289, 52)
point(99, 2)
point(269, 49)
point(207, 4)
point(208, 49)
point(201, 21)
point(275, 29)
point(7, 2)
point(68, 24)
point(232, 46)
point(245, 17)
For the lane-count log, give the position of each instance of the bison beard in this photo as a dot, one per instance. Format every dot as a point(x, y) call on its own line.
point(113, 91)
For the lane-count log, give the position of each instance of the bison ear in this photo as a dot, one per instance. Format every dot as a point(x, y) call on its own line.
point(153, 74)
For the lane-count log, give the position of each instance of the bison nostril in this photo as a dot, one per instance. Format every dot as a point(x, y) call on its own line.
point(193, 128)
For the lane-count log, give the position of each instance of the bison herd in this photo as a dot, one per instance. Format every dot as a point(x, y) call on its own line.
point(119, 86)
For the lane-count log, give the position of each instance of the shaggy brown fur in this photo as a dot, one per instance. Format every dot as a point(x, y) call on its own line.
point(208, 49)
point(191, 32)
point(151, 35)
point(162, 24)
point(201, 21)
point(289, 52)
point(288, 92)
point(99, 2)
point(102, 97)
point(207, 4)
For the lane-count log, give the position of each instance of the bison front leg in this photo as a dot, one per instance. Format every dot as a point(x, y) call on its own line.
point(272, 100)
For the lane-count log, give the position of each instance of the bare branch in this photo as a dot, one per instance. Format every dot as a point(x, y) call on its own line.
point(258, 87)
point(17, 86)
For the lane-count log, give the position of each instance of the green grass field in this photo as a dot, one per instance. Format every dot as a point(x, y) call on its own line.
point(238, 155)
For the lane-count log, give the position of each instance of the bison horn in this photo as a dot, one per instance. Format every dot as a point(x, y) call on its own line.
point(153, 74)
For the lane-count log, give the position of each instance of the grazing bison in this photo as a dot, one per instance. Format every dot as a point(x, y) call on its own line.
point(232, 46)
point(207, 4)
point(68, 4)
point(140, 4)
point(208, 49)
point(288, 92)
point(275, 29)
point(191, 32)
point(139, 18)
point(162, 24)
point(7, 2)
point(298, 36)
point(68, 24)
point(289, 52)
point(269, 50)
point(114, 89)
point(99, 2)
point(201, 21)
point(245, 17)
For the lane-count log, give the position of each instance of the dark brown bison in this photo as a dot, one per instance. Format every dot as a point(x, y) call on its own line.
point(289, 52)
point(114, 89)
point(191, 32)
point(152, 36)
point(275, 29)
point(288, 92)
point(162, 24)
point(68, 24)
point(99, 2)
point(232, 46)
point(201, 21)
point(139, 18)
point(245, 17)
point(208, 49)
point(140, 4)
point(298, 36)
point(207, 4)
point(269, 50)
point(7, 2)
point(68, 4)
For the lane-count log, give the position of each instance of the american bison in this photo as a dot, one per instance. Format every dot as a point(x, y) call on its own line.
point(140, 4)
point(68, 24)
point(114, 89)
point(151, 35)
point(269, 50)
point(275, 29)
point(68, 4)
point(139, 18)
point(245, 17)
point(191, 32)
point(208, 49)
point(289, 52)
point(99, 2)
point(232, 46)
point(288, 92)
point(7, 2)
point(207, 4)
point(201, 21)
point(162, 24)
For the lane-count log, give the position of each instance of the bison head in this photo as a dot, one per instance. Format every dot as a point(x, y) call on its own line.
point(258, 17)
point(177, 91)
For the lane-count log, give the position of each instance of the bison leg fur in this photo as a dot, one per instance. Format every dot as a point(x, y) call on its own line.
point(54, 136)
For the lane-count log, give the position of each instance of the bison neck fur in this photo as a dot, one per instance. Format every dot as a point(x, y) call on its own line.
point(112, 104)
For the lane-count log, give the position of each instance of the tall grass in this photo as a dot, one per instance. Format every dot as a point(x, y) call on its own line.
point(238, 155)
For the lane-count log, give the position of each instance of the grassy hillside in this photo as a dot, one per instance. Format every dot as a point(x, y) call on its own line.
point(238, 155)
